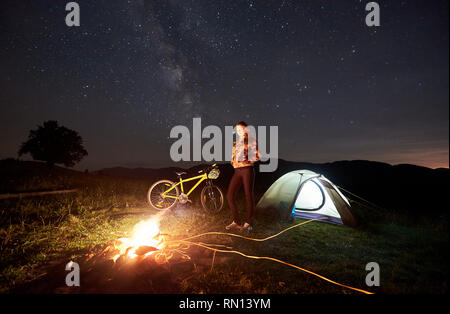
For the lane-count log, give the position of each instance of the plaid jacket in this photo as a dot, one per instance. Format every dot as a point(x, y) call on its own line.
point(245, 153)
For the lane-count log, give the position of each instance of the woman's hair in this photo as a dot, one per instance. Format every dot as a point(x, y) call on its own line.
point(243, 124)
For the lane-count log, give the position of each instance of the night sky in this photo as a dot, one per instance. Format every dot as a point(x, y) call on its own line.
point(337, 89)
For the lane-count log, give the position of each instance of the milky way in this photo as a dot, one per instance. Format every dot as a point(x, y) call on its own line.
point(336, 88)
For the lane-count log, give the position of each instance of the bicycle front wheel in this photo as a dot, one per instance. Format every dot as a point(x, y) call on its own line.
point(212, 199)
point(159, 201)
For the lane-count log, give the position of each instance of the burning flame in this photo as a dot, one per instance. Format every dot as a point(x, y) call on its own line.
point(146, 234)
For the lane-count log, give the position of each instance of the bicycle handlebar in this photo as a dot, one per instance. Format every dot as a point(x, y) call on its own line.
point(207, 168)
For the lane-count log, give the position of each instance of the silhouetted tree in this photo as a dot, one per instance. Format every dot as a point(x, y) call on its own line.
point(54, 144)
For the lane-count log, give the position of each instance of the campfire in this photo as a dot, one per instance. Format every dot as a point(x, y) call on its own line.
point(143, 260)
point(146, 239)
point(149, 261)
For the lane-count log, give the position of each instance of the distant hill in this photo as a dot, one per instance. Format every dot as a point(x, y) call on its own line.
point(401, 187)
point(31, 176)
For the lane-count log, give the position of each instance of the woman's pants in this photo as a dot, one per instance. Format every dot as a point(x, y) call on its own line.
point(245, 176)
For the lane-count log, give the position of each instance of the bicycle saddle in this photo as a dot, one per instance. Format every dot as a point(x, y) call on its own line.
point(180, 173)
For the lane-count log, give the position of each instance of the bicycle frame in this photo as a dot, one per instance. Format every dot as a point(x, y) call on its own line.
point(200, 179)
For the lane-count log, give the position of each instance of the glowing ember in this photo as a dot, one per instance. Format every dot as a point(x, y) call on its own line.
point(145, 238)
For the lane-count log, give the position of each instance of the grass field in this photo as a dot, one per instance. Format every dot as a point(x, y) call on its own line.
point(412, 253)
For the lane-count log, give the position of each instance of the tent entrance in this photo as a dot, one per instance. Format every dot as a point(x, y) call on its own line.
point(314, 201)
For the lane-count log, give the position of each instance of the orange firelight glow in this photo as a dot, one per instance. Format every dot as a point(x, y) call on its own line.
point(145, 234)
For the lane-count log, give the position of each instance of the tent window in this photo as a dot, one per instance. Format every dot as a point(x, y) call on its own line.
point(311, 196)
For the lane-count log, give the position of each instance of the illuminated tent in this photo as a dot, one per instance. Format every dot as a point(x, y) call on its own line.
point(308, 195)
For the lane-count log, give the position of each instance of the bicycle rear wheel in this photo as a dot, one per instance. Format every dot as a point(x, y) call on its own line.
point(159, 201)
point(212, 198)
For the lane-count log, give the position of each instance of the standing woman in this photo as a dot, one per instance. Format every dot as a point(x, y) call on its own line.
point(245, 154)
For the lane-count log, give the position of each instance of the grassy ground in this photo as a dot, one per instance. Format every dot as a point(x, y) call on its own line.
point(412, 258)
point(412, 253)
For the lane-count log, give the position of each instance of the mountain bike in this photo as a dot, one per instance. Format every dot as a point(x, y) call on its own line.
point(165, 194)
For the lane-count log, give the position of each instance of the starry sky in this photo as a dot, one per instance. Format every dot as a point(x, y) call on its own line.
point(337, 89)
